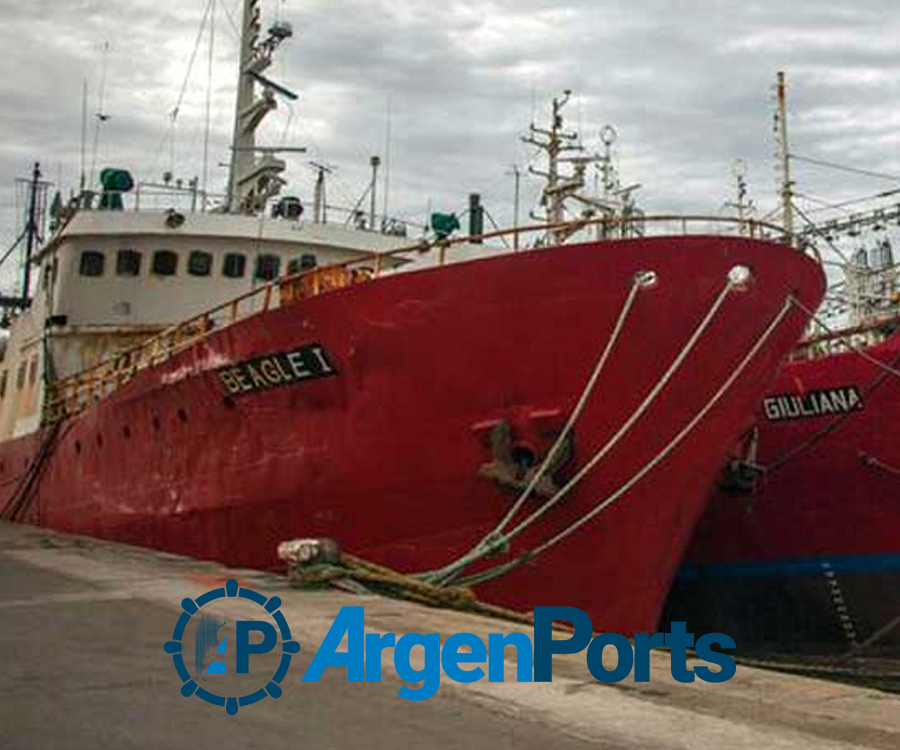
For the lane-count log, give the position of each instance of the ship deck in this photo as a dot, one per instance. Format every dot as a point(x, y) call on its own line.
point(84, 622)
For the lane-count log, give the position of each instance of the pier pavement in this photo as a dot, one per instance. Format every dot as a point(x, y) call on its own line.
point(83, 623)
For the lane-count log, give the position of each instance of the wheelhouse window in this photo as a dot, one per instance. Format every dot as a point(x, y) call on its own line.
point(128, 263)
point(234, 266)
point(165, 263)
point(267, 267)
point(92, 263)
point(199, 263)
point(305, 262)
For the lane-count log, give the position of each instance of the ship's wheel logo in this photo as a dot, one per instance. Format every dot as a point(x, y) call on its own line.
point(232, 647)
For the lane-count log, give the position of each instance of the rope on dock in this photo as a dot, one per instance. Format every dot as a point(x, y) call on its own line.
point(314, 563)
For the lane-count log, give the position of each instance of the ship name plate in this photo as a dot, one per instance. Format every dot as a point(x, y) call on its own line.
point(275, 370)
point(817, 403)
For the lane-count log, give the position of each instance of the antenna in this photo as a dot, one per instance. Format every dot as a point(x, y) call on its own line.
point(320, 203)
point(84, 127)
point(375, 162)
point(100, 116)
point(209, 77)
point(517, 179)
point(740, 204)
point(387, 159)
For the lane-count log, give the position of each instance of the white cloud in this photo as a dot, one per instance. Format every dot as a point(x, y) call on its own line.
point(688, 87)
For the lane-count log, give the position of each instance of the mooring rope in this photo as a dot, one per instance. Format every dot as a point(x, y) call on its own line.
point(648, 467)
point(641, 280)
point(497, 538)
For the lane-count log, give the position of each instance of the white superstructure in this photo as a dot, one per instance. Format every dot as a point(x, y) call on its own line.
point(114, 274)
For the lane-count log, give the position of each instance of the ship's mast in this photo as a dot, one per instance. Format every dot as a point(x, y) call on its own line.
point(741, 205)
point(35, 212)
point(255, 173)
point(787, 187)
point(32, 233)
point(554, 141)
point(560, 188)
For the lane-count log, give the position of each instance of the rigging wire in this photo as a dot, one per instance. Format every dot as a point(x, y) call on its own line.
point(876, 196)
point(230, 16)
point(818, 232)
point(824, 205)
point(844, 168)
point(13, 247)
point(494, 224)
point(169, 137)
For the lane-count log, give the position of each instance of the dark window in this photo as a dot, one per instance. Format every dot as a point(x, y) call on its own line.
point(20, 376)
point(92, 263)
point(32, 371)
point(165, 263)
point(234, 266)
point(199, 263)
point(128, 263)
point(45, 276)
point(267, 267)
point(305, 262)
point(3, 384)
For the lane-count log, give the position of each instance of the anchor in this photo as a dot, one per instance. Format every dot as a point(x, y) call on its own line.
point(520, 444)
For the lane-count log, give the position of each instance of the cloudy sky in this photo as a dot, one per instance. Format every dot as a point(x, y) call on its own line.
point(687, 85)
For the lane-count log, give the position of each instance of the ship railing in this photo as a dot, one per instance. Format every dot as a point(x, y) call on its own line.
point(845, 340)
point(151, 197)
point(69, 396)
point(162, 198)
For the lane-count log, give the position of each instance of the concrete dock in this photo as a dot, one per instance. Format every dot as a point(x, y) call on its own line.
point(83, 623)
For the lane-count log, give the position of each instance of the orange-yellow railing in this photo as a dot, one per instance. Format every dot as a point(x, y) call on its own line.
point(71, 395)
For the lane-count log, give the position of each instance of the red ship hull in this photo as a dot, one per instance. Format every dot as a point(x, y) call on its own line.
point(384, 456)
point(810, 559)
